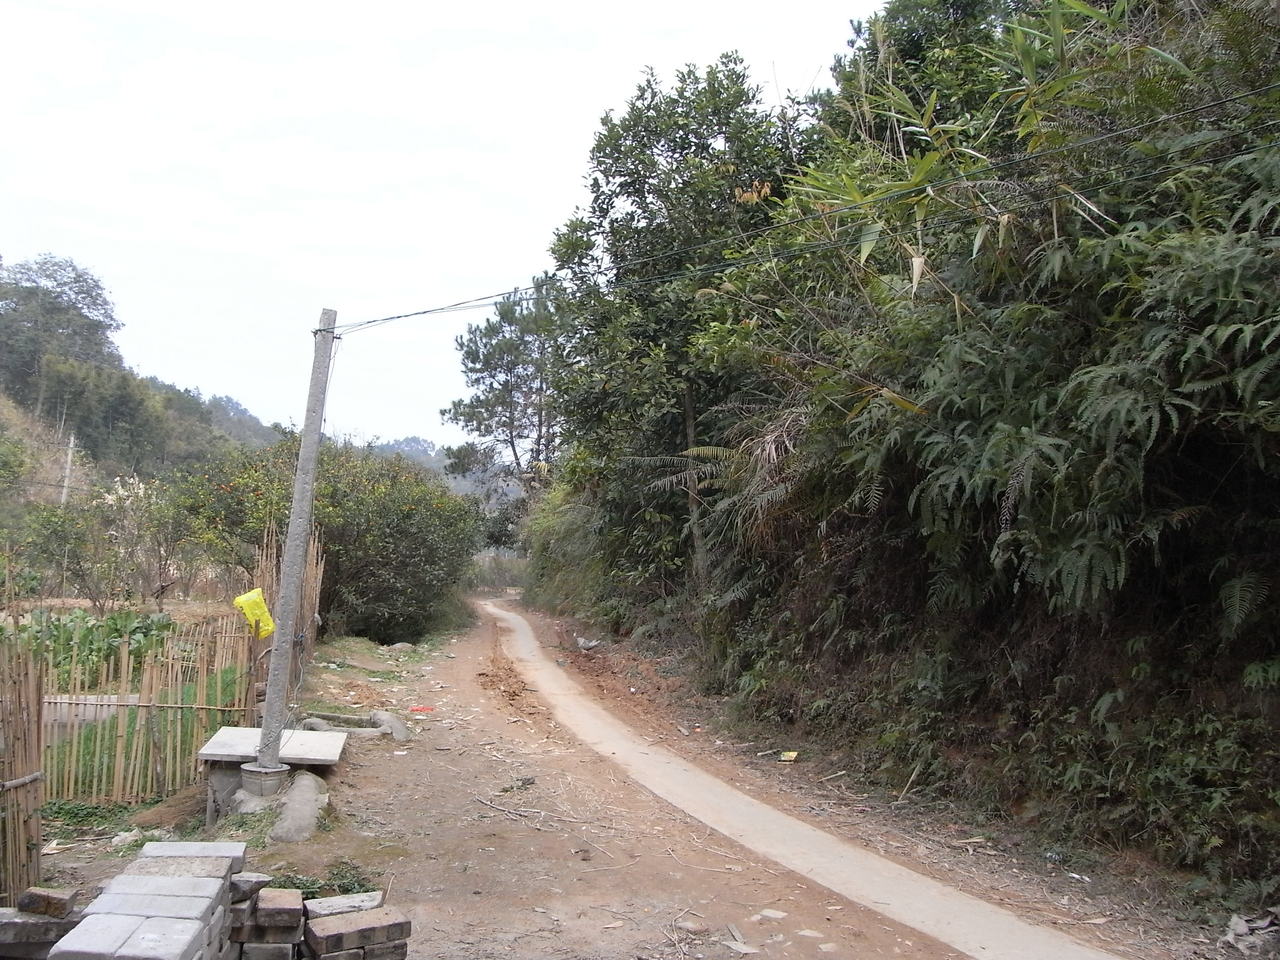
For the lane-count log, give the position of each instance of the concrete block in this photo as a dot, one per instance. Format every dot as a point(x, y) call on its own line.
point(46, 900)
point(356, 954)
point(19, 927)
point(348, 903)
point(188, 848)
point(216, 867)
point(199, 909)
point(268, 951)
point(240, 913)
point(214, 932)
point(256, 933)
point(207, 887)
point(346, 931)
point(278, 907)
point(245, 885)
point(163, 938)
point(392, 950)
point(97, 936)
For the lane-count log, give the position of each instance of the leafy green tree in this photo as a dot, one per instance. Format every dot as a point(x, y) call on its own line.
point(674, 178)
point(396, 540)
point(51, 306)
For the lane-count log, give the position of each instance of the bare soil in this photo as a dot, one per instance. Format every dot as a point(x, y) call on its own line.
point(502, 836)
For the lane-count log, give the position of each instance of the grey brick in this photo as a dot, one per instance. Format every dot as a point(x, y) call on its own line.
point(215, 931)
point(256, 933)
point(278, 907)
point(348, 903)
point(206, 887)
point(149, 905)
point(163, 938)
point(187, 848)
point(268, 951)
point(46, 900)
point(241, 913)
point(245, 885)
point(19, 927)
point(217, 867)
point(356, 954)
point(97, 936)
point(349, 930)
point(393, 950)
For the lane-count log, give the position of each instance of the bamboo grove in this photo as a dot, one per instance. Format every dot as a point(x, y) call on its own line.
point(937, 415)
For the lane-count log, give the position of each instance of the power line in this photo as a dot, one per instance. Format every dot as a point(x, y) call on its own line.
point(489, 299)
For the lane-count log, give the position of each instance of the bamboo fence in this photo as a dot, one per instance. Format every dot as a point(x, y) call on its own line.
point(21, 777)
point(128, 729)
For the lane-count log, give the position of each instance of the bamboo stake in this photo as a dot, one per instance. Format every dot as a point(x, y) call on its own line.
point(121, 718)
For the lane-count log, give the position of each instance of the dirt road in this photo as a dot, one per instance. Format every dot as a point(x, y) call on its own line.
point(508, 829)
point(965, 923)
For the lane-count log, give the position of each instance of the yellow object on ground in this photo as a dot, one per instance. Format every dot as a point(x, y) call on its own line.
point(254, 607)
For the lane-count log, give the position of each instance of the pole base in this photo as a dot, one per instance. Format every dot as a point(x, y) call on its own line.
point(263, 781)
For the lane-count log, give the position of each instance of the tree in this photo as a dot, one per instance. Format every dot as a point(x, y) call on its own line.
point(396, 539)
point(509, 361)
point(51, 306)
point(675, 178)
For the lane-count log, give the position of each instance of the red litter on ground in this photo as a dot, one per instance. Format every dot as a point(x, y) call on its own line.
point(422, 709)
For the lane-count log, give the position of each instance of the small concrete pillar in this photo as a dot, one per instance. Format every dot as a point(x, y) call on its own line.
point(263, 781)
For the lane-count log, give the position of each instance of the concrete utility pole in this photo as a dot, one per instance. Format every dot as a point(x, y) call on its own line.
point(268, 772)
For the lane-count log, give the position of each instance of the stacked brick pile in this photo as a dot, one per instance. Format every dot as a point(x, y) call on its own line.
point(355, 928)
point(268, 926)
point(169, 904)
point(193, 901)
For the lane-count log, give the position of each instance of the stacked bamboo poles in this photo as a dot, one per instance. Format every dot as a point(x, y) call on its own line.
point(131, 729)
point(21, 777)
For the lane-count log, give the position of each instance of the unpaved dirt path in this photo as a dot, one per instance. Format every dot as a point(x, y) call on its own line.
point(970, 925)
point(502, 835)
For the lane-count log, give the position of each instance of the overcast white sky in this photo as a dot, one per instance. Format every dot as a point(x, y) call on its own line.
point(229, 169)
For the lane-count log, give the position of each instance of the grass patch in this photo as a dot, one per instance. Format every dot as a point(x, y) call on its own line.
point(249, 828)
point(68, 819)
point(343, 877)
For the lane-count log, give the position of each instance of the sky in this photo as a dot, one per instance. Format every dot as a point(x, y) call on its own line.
point(228, 170)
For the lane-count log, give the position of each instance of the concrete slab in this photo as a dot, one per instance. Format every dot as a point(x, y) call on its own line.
point(347, 903)
point(138, 905)
point(297, 747)
point(217, 867)
point(19, 927)
point(169, 848)
point(206, 887)
point(97, 936)
point(163, 938)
